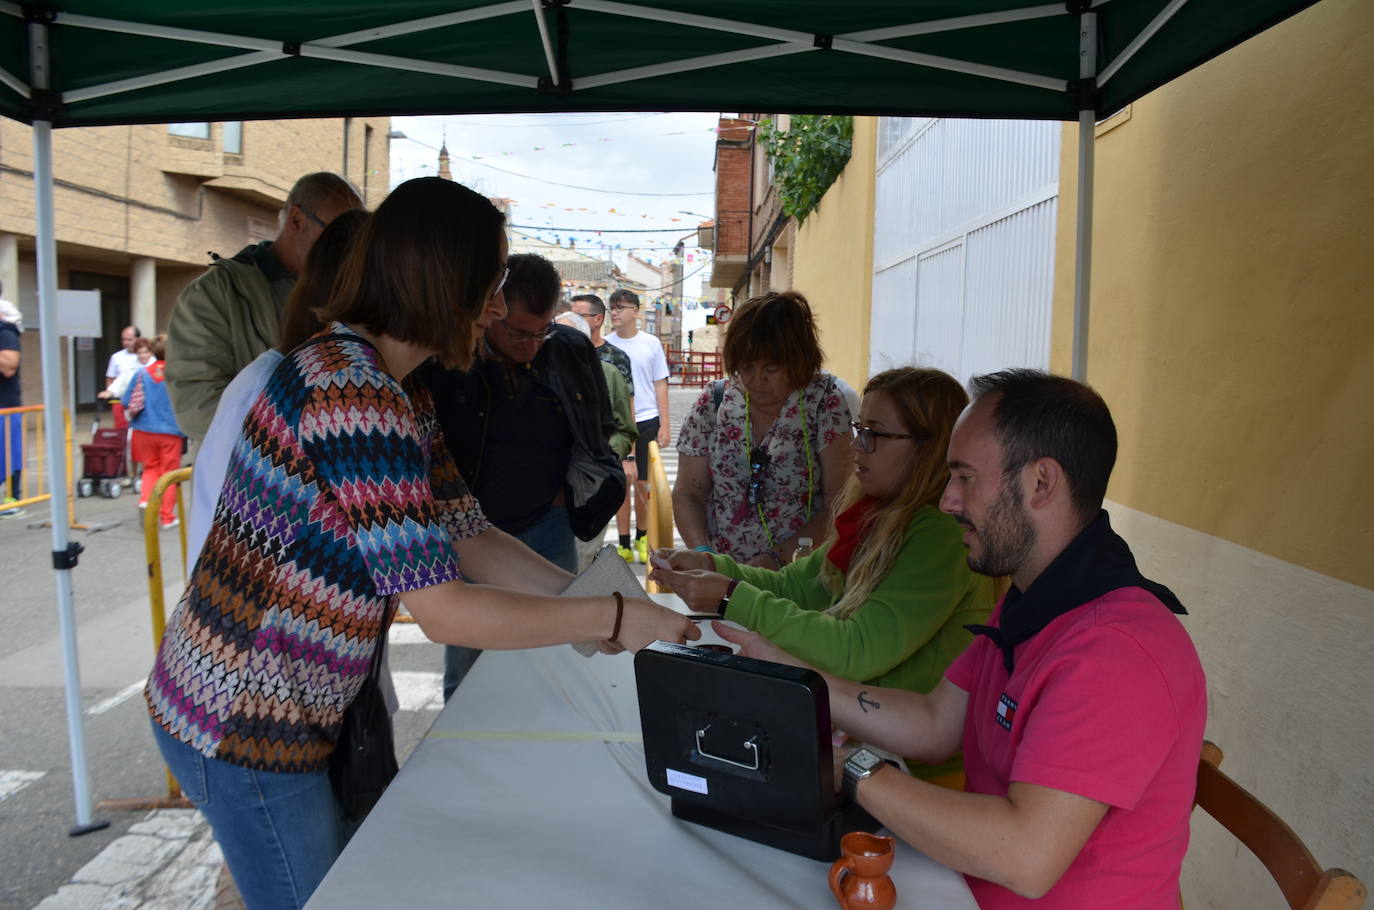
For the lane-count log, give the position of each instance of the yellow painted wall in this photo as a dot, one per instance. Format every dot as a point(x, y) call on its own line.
point(832, 260)
point(1232, 325)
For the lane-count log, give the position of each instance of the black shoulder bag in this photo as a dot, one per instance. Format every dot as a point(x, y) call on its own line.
point(364, 757)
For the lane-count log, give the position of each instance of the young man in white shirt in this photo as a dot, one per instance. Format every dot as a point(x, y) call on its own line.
point(650, 368)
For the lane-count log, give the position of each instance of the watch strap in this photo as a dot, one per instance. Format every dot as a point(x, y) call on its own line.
point(725, 601)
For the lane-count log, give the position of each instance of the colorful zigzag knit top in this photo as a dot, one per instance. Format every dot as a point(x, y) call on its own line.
point(340, 494)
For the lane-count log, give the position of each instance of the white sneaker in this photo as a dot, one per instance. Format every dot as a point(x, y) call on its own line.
point(167, 525)
point(142, 506)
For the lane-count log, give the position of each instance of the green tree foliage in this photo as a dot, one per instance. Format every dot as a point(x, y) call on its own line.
point(806, 158)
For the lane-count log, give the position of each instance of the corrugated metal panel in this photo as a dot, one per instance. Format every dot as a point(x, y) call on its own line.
point(1008, 293)
point(964, 229)
point(893, 324)
point(939, 337)
point(955, 171)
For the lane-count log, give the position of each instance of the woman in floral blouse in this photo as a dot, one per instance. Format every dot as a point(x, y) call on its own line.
point(761, 454)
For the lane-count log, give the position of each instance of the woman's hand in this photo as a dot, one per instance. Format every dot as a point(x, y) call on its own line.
point(645, 622)
point(699, 589)
point(685, 559)
point(752, 644)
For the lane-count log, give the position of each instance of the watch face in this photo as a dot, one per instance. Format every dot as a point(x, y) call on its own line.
point(864, 761)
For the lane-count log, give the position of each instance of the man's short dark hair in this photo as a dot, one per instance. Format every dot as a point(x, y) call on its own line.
point(593, 303)
point(533, 285)
point(627, 297)
point(1039, 415)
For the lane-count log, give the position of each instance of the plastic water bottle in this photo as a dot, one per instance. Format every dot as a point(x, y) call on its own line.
point(803, 549)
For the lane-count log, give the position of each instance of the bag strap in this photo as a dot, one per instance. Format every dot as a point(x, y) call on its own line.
point(717, 392)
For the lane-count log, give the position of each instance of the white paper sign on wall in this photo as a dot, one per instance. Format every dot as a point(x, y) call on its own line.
point(78, 314)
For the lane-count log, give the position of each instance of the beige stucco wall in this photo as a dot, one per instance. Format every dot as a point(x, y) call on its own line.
point(1232, 334)
point(832, 259)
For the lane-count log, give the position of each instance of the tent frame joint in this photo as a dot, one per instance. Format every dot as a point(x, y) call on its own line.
point(39, 13)
point(560, 89)
point(68, 558)
point(1078, 7)
point(823, 42)
point(554, 4)
point(45, 104)
point(291, 48)
point(1084, 93)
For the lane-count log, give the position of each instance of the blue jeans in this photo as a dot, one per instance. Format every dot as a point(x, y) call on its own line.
point(552, 538)
point(279, 833)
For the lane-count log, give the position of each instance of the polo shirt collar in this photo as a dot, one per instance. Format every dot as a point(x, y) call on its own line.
point(1097, 562)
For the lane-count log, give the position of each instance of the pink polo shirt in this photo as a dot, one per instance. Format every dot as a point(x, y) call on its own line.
point(1109, 702)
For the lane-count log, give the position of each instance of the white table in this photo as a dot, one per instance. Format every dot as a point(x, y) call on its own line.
point(530, 791)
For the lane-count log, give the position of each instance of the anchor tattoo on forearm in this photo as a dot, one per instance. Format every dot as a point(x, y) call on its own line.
point(865, 701)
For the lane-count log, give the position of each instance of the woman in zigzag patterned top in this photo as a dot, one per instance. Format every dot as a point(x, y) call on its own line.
point(340, 497)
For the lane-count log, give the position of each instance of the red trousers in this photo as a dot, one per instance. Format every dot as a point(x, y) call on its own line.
point(159, 453)
point(117, 409)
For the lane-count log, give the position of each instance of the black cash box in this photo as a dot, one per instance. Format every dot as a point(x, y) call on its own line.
point(743, 746)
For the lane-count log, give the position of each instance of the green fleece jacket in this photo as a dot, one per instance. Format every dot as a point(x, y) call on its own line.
point(626, 433)
point(221, 323)
point(905, 635)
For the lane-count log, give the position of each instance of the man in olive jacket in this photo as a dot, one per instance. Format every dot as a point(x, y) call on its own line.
point(228, 316)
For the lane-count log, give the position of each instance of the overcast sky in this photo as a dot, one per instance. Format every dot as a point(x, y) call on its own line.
point(621, 159)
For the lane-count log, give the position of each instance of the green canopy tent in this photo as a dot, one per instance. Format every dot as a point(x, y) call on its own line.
point(95, 62)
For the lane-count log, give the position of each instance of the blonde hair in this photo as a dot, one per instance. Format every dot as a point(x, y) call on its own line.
point(927, 402)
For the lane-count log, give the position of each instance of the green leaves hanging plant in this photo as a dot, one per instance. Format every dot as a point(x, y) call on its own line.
point(806, 158)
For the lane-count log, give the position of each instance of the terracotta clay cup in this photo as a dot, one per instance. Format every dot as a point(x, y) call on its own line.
point(859, 877)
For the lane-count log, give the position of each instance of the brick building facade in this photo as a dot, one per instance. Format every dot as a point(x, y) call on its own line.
point(139, 209)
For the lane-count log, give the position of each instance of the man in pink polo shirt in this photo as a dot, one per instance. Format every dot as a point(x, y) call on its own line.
point(1079, 709)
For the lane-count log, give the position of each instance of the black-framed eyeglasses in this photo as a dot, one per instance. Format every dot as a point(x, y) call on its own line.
point(623, 306)
point(868, 437)
point(758, 463)
point(541, 335)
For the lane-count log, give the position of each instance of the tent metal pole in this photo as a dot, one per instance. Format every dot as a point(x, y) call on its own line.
point(63, 550)
point(1083, 243)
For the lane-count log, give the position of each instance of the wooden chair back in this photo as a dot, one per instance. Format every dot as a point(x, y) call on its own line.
point(1305, 885)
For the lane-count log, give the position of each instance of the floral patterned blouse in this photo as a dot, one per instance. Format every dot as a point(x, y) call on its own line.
point(732, 522)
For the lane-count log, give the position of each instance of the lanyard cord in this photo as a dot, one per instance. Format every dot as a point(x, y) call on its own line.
point(810, 461)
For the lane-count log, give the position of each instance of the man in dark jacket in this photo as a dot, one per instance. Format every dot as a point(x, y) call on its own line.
point(528, 428)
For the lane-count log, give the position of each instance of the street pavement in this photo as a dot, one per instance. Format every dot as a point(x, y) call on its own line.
point(157, 859)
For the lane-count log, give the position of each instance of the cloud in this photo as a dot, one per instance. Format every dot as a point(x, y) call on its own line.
point(624, 156)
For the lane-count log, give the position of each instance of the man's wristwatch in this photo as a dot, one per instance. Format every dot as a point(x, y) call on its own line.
point(861, 764)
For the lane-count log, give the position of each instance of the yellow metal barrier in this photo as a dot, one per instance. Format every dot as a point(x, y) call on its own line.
point(660, 530)
point(153, 548)
point(29, 438)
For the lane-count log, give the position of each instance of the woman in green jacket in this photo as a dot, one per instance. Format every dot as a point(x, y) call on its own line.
point(885, 600)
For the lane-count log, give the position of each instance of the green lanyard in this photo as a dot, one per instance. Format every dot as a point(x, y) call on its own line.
point(806, 446)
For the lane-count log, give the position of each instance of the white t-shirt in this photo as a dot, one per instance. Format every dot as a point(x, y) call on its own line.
point(649, 365)
point(212, 460)
point(121, 361)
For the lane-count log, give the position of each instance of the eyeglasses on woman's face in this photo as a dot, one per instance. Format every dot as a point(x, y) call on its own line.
point(505, 273)
point(868, 437)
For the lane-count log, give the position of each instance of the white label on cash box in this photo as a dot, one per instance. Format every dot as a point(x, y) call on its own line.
point(687, 782)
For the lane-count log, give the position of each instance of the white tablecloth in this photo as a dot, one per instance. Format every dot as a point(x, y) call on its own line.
point(530, 791)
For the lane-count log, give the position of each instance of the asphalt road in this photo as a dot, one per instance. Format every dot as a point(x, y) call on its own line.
point(115, 648)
